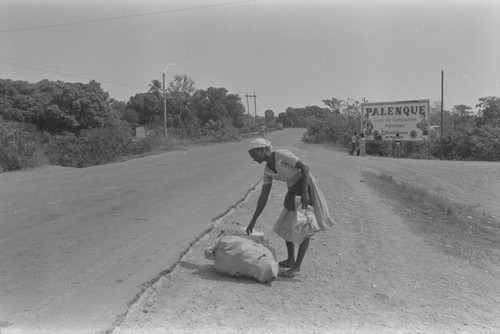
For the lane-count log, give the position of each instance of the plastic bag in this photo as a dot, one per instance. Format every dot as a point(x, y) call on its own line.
point(305, 224)
point(295, 226)
point(242, 255)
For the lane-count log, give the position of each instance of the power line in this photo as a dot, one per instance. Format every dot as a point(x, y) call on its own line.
point(53, 69)
point(125, 16)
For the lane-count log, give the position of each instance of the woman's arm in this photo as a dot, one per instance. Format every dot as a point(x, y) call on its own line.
point(261, 204)
point(304, 198)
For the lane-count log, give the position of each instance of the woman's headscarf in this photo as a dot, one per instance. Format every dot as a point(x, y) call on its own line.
point(259, 142)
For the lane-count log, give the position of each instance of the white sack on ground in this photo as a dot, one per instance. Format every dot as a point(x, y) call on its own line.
point(247, 256)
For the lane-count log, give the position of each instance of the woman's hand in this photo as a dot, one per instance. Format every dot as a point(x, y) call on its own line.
point(305, 200)
point(250, 227)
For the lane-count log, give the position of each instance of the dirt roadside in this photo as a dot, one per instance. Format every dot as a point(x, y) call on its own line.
point(368, 274)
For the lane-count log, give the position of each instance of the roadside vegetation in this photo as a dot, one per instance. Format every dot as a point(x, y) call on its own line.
point(80, 125)
point(454, 228)
point(466, 136)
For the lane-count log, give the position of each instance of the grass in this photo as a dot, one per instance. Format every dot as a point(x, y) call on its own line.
point(454, 228)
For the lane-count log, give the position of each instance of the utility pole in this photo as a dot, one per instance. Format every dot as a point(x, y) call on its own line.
point(255, 107)
point(164, 107)
point(248, 106)
point(165, 100)
point(255, 104)
point(442, 101)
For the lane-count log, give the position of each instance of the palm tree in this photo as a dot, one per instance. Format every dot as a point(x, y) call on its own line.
point(156, 89)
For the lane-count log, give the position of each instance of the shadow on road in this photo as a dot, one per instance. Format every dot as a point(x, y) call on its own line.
point(208, 272)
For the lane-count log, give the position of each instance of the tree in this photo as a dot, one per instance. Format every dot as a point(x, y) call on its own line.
point(235, 110)
point(90, 107)
point(79, 106)
point(462, 118)
point(9, 113)
point(16, 100)
point(216, 104)
point(146, 106)
point(56, 106)
point(489, 111)
point(462, 110)
point(155, 87)
point(302, 117)
point(435, 116)
point(181, 91)
point(351, 108)
point(117, 106)
point(54, 120)
point(122, 113)
point(334, 104)
point(129, 115)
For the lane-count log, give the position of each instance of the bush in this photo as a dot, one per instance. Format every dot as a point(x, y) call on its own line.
point(418, 150)
point(191, 130)
point(107, 144)
point(325, 130)
point(95, 147)
point(142, 145)
point(104, 145)
point(214, 131)
point(221, 131)
point(336, 128)
point(68, 151)
point(19, 146)
point(375, 147)
point(478, 144)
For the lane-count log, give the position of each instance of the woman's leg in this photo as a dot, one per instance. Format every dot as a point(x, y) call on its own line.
point(290, 261)
point(289, 204)
point(300, 256)
point(302, 252)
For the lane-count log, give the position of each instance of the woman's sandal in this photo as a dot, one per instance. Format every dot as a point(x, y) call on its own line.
point(287, 274)
point(284, 264)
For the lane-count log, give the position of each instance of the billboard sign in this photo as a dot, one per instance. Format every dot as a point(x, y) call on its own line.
point(382, 120)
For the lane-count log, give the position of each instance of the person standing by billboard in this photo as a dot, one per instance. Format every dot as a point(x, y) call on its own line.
point(354, 141)
point(397, 146)
point(362, 144)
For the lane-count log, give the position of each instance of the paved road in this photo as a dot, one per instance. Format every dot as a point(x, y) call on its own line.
point(76, 246)
point(382, 269)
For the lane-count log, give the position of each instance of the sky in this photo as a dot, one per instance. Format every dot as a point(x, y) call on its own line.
point(290, 53)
